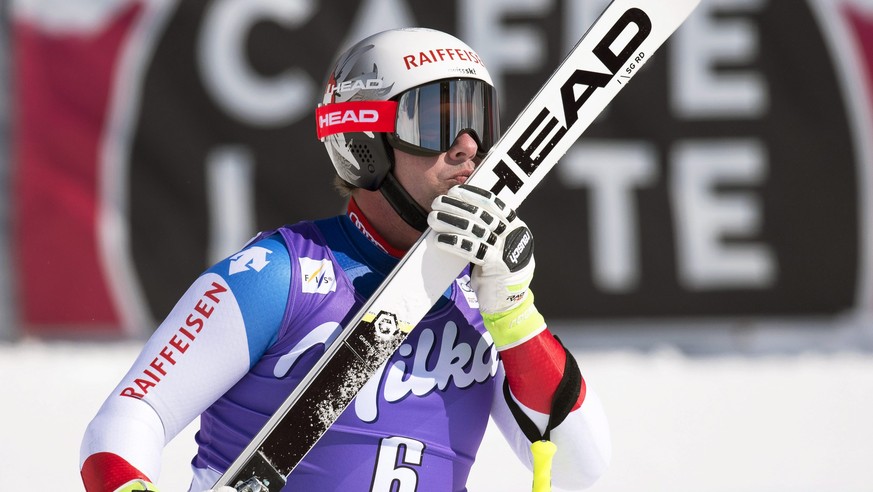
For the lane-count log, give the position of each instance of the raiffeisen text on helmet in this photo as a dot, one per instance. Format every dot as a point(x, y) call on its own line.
point(415, 60)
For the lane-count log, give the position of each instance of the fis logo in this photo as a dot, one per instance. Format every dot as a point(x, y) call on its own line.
point(317, 276)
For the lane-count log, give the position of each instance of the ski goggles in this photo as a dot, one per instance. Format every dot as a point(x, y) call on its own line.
point(425, 120)
point(430, 117)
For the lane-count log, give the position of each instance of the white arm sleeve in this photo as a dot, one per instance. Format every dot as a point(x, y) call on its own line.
point(583, 440)
point(194, 357)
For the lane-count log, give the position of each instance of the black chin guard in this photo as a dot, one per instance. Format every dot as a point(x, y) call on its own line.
point(402, 202)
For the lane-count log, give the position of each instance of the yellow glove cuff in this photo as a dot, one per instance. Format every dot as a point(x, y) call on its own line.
point(137, 485)
point(515, 326)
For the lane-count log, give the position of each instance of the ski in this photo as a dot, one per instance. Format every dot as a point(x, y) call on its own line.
point(611, 52)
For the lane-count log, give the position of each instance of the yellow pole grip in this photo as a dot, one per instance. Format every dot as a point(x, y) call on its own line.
point(543, 452)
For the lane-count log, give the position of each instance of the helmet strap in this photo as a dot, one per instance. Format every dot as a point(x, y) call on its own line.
point(402, 202)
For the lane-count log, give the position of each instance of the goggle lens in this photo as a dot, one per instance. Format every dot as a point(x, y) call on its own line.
point(430, 117)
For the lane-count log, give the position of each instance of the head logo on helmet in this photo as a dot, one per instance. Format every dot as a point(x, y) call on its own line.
point(354, 80)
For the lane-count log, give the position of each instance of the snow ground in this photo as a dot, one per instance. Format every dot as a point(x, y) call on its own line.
point(718, 424)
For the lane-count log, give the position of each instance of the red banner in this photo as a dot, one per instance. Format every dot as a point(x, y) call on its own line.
point(63, 82)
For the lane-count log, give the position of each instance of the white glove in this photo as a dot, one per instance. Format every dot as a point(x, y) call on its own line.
point(476, 225)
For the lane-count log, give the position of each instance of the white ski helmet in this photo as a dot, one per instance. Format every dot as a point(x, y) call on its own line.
point(413, 89)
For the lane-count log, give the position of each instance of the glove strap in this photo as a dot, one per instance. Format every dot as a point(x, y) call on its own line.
point(543, 450)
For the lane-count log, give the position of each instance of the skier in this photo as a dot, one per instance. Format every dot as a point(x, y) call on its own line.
point(407, 115)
